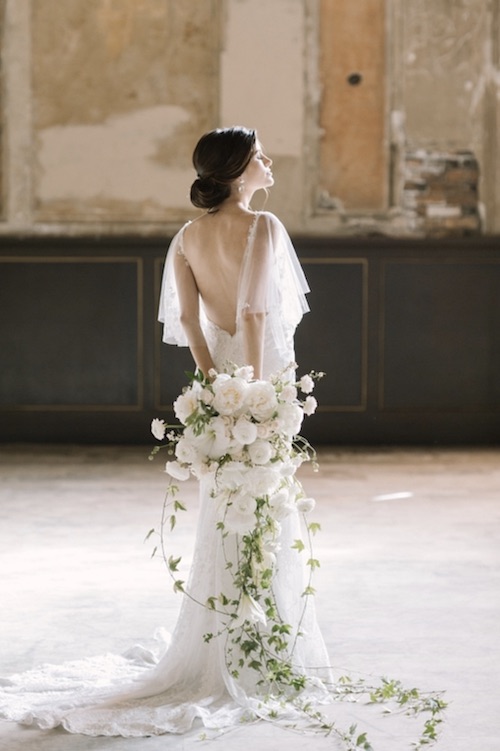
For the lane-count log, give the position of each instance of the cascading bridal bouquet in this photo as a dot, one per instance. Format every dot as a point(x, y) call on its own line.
point(242, 437)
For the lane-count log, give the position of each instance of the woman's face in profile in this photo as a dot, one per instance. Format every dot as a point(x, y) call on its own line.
point(258, 172)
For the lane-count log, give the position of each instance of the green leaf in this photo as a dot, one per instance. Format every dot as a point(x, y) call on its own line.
point(298, 545)
point(173, 563)
point(308, 591)
point(151, 532)
point(313, 563)
point(314, 527)
point(173, 521)
point(179, 586)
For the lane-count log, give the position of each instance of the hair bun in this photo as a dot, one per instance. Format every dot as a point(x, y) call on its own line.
point(206, 192)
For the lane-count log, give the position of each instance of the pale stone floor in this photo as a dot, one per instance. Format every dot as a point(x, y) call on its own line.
point(409, 584)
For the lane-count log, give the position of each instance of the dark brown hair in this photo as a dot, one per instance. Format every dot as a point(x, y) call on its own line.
point(220, 157)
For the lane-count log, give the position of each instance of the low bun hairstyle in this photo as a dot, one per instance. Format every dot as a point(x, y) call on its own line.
point(219, 158)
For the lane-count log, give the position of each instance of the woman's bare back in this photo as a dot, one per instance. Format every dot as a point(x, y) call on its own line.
point(214, 247)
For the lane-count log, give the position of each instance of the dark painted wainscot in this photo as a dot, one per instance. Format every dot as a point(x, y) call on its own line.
point(406, 330)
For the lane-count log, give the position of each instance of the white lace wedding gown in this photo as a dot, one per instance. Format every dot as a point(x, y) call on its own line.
point(138, 693)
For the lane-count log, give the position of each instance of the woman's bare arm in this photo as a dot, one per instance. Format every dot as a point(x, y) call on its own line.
point(189, 300)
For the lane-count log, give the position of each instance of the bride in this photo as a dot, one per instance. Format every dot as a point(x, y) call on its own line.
point(234, 292)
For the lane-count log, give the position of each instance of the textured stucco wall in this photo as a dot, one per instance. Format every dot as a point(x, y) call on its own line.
point(103, 100)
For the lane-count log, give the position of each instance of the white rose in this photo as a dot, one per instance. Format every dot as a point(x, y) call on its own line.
point(306, 384)
point(244, 430)
point(260, 481)
point(240, 514)
point(260, 452)
point(230, 396)
point(185, 451)
point(305, 505)
point(246, 372)
point(289, 393)
point(158, 429)
point(261, 400)
point(177, 471)
point(310, 405)
point(290, 418)
point(185, 405)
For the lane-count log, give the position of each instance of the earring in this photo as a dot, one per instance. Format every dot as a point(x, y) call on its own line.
point(241, 184)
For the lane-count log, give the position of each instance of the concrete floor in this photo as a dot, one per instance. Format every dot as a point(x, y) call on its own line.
point(409, 584)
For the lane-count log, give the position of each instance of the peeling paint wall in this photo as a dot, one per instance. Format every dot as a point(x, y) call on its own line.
point(140, 82)
point(102, 102)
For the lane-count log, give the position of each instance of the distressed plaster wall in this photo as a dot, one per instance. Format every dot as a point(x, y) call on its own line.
point(451, 83)
point(103, 100)
point(140, 82)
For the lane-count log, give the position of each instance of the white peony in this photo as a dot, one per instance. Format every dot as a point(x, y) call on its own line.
point(229, 396)
point(216, 441)
point(248, 610)
point(177, 471)
point(185, 451)
point(158, 429)
point(305, 505)
point(310, 405)
point(260, 452)
point(240, 514)
point(244, 430)
point(260, 481)
point(290, 418)
point(185, 405)
point(261, 400)
point(306, 384)
point(231, 476)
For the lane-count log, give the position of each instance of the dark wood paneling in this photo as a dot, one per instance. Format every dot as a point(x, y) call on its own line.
point(407, 332)
point(70, 333)
point(440, 343)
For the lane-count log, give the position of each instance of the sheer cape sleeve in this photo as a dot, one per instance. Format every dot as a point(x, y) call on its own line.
point(272, 281)
point(169, 312)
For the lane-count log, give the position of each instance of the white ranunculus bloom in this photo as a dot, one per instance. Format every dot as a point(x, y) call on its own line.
point(240, 514)
point(261, 400)
point(248, 610)
point(230, 396)
point(244, 430)
point(177, 471)
point(310, 405)
point(290, 418)
point(260, 452)
point(185, 405)
point(305, 505)
point(207, 396)
point(158, 429)
point(306, 384)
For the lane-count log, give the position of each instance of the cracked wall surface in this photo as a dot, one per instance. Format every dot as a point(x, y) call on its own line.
point(102, 102)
